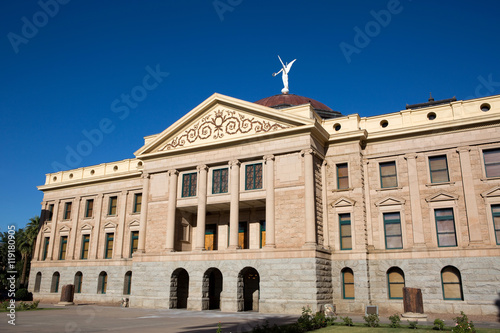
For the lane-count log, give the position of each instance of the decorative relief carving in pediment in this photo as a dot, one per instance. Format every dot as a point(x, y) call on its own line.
point(219, 124)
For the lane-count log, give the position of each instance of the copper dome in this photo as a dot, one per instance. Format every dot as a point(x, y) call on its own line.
point(282, 101)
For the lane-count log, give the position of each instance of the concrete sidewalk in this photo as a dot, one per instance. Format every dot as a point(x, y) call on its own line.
point(97, 318)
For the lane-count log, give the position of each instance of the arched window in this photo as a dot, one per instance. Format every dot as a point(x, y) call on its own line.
point(127, 283)
point(102, 283)
point(54, 287)
point(452, 283)
point(395, 282)
point(347, 283)
point(78, 282)
point(38, 282)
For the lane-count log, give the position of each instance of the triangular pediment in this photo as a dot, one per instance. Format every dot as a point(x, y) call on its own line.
point(441, 196)
point(86, 227)
point(343, 202)
point(46, 230)
point(390, 201)
point(134, 223)
point(109, 225)
point(494, 192)
point(221, 119)
point(64, 229)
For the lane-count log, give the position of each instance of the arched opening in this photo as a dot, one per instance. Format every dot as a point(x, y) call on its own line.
point(211, 289)
point(102, 283)
point(248, 289)
point(179, 289)
point(347, 283)
point(127, 283)
point(78, 282)
point(38, 282)
point(54, 286)
point(395, 282)
point(452, 284)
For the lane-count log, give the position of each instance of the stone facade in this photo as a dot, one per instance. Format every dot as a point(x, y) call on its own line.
point(238, 206)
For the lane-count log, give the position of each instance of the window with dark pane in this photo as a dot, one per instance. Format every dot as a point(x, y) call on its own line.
point(445, 227)
point(392, 227)
point(189, 184)
point(220, 181)
point(67, 210)
point(63, 247)
point(495, 211)
point(89, 208)
point(347, 283)
point(438, 166)
point(345, 231)
point(112, 205)
point(342, 176)
point(388, 175)
point(85, 247)
point(253, 176)
point(492, 162)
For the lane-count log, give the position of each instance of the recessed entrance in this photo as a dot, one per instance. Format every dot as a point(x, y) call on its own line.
point(248, 289)
point(179, 289)
point(212, 288)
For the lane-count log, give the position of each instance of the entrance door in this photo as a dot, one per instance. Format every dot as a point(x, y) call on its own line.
point(211, 237)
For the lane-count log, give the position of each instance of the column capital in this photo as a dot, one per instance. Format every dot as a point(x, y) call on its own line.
point(410, 156)
point(234, 163)
point(146, 175)
point(269, 157)
point(202, 167)
point(324, 163)
point(173, 172)
point(309, 151)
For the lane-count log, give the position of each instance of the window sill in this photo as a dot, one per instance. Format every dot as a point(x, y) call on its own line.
point(490, 178)
point(388, 188)
point(135, 213)
point(437, 184)
point(343, 189)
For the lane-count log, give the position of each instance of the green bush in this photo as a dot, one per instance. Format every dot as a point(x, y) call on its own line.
point(395, 321)
point(347, 321)
point(372, 320)
point(463, 324)
point(438, 325)
point(412, 324)
point(23, 295)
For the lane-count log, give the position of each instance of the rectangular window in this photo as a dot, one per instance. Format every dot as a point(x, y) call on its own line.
point(189, 184)
point(50, 212)
point(62, 249)
point(109, 246)
point(211, 237)
point(342, 176)
point(112, 205)
point(262, 233)
point(219, 183)
point(392, 227)
point(89, 208)
point(345, 231)
point(438, 166)
point(243, 235)
point(253, 176)
point(45, 247)
point(137, 202)
point(388, 177)
point(445, 227)
point(492, 162)
point(134, 242)
point(495, 211)
point(85, 247)
point(67, 210)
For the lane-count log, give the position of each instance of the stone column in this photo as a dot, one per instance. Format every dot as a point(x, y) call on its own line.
point(416, 208)
point(120, 233)
point(202, 207)
point(270, 204)
point(234, 211)
point(310, 215)
point(70, 251)
point(469, 195)
point(141, 246)
point(39, 237)
point(324, 194)
point(172, 205)
point(53, 226)
point(94, 239)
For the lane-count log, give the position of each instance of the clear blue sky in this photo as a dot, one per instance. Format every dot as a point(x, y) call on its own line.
point(64, 68)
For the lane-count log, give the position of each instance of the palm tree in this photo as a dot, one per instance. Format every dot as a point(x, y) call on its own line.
point(27, 243)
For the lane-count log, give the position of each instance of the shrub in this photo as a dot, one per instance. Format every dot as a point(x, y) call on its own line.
point(330, 320)
point(372, 320)
point(463, 324)
point(412, 324)
point(438, 325)
point(395, 321)
point(305, 321)
point(23, 295)
point(347, 321)
point(319, 320)
point(219, 328)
